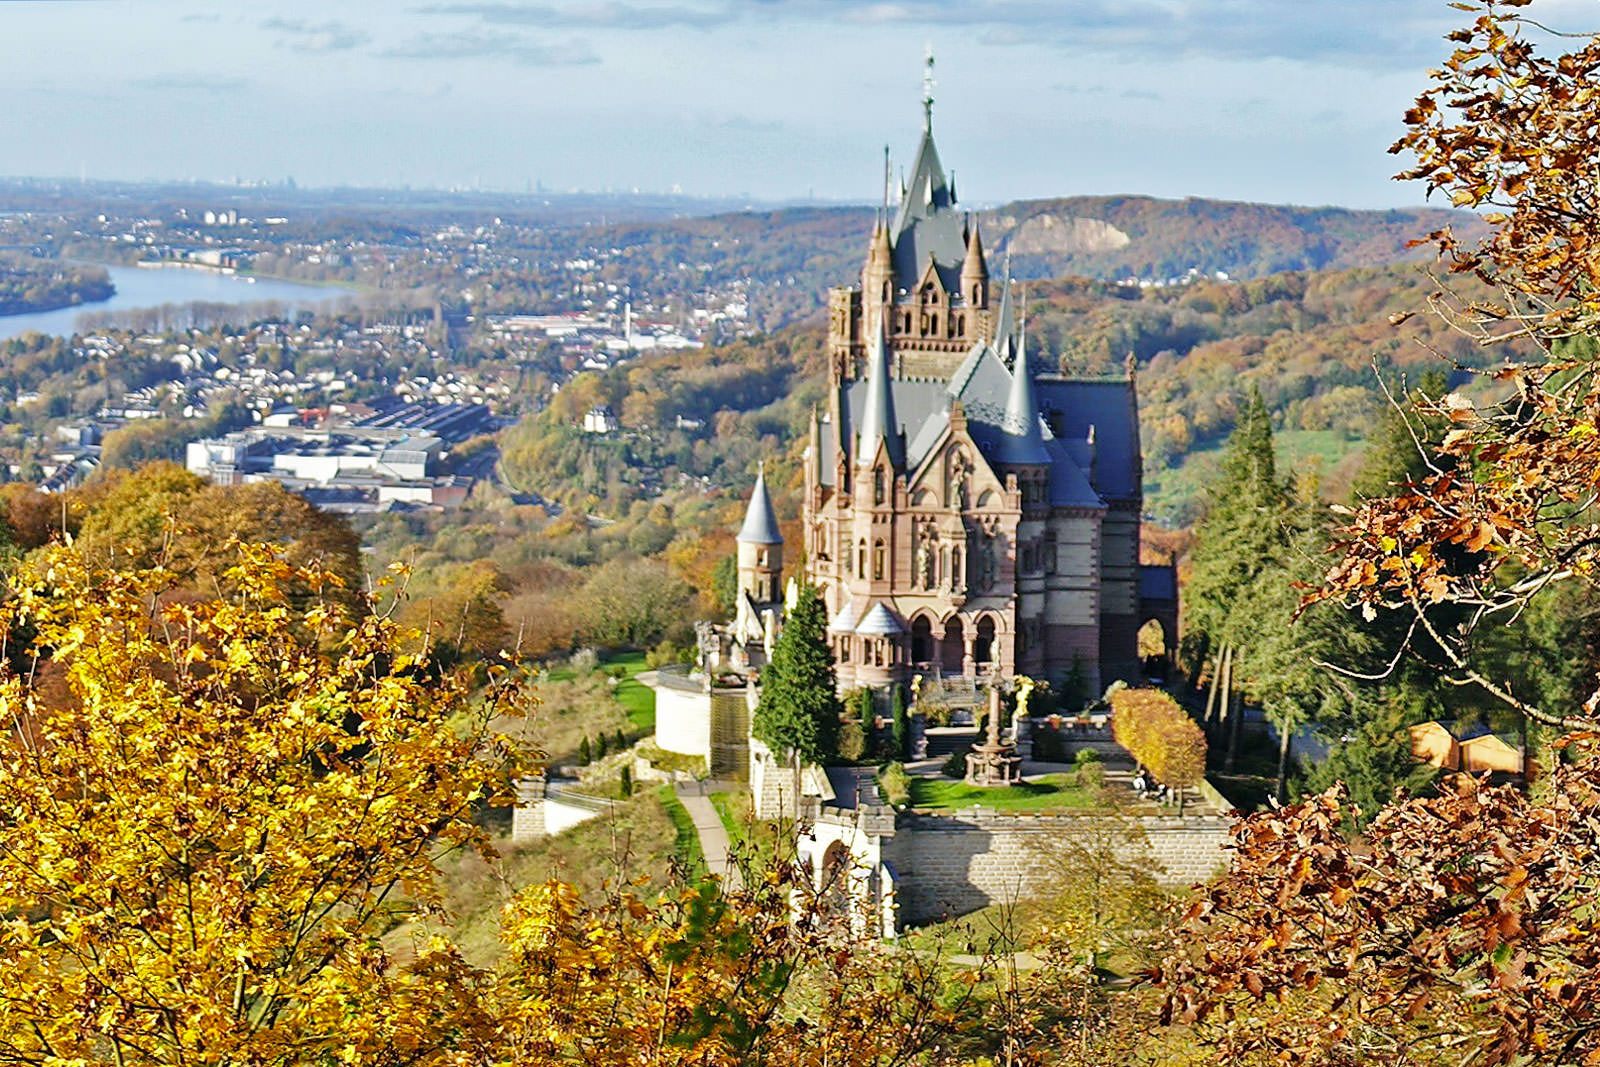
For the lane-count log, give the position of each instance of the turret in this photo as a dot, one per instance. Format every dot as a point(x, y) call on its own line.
point(1023, 443)
point(975, 271)
point(877, 277)
point(760, 548)
point(877, 414)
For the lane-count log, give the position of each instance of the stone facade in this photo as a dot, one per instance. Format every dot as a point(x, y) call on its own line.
point(964, 513)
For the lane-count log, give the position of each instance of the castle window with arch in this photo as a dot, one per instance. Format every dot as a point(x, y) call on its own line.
point(878, 490)
point(878, 560)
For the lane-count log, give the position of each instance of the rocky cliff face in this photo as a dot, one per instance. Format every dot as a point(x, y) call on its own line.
point(1051, 233)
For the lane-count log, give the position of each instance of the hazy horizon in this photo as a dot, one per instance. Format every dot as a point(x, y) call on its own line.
point(776, 101)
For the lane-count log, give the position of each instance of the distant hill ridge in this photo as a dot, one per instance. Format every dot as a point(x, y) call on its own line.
point(1116, 237)
point(807, 249)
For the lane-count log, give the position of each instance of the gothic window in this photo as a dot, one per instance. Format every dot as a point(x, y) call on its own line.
point(976, 298)
point(1049, 551)
point(956, 575)
point(844, 650)
point(877, 561)
point(907, 327)
point(761, 556)
point(933, 324)
point(885, 292)
point(861, 557)
point(877, 485)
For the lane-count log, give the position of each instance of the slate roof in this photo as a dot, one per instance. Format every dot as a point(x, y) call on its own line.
point(928, 224)
point(760, 522)
point(879, 621)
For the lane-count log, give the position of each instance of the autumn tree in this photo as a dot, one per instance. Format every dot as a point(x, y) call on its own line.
point(1505, 514)
point(206, 838)
point(1459, 928)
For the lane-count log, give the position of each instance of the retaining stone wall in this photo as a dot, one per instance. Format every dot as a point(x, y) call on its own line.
point(955, 863)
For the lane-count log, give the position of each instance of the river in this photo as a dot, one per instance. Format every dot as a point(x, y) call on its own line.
point(143, 287)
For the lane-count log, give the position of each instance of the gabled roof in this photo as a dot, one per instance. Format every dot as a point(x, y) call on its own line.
point(760, 522)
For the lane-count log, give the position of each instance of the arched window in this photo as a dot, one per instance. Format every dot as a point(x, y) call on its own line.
point(877, 485)
point(977, 298)
point(844, 650)
point(983, 646)
point(878, 556)
point(957, 575)
point(933, 324)
point(1049, 551)
point(861, 557)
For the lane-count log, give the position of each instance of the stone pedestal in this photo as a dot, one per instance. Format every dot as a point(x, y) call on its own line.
point(995, 762)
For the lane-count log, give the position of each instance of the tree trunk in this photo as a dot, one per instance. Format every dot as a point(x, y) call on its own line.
point(1211, 697)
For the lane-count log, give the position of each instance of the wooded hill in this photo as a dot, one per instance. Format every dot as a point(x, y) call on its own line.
point(802, 251)
point(1314, 343)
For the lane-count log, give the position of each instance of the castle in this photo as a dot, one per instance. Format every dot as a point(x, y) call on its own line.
point(965, 514)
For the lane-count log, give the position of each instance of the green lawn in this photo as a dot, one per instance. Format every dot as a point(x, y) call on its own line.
point(687, 848)
point(1043, 793)
point(731, 822)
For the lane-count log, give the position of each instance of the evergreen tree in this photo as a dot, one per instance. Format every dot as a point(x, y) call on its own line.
point(799, 709)
point(620, 741)
point(585, 757)
point(625, 782)
point(601, 746)
point(869, 720)
point(902, 731)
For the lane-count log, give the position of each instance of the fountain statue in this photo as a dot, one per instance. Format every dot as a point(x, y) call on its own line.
point(995, 762)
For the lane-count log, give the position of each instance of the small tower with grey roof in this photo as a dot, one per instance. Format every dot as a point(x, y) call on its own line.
point(760, 549)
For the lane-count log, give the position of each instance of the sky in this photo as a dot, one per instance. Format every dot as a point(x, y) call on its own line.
point(1283, 101)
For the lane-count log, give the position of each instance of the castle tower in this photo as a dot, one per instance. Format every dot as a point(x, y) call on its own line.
point(760, 549)
point(963, 516)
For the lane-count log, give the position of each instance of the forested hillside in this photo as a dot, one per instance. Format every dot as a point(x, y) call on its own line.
point(797, 253)
point(1314, 343)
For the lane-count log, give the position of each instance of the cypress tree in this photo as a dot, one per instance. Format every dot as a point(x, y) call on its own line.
point(799, 709)
point(584, 756)
point(620, 741)
point(902, 731)
point(601, 746)
point(869, 721)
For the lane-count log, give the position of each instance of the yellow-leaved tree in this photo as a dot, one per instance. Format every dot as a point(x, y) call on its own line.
point(211, 809)
point(214, 808)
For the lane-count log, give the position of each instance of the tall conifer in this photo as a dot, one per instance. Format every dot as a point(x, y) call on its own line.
point(798, 713)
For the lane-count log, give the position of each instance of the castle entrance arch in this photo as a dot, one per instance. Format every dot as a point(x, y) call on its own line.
point(953, 649)
point(921, 640)
point(983, 646)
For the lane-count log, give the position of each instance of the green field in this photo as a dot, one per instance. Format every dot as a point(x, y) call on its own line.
point(1044, 793)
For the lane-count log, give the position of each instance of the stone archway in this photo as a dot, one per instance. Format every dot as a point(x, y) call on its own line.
point(1156, 648)
point(922, 647)
point(953, 649)
point(983, 643)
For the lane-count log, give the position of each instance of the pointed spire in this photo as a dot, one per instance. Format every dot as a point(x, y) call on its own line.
point(973, 268)
point(1005, 323)
point(877, 414)
point(760, 521)
point(1024, 443)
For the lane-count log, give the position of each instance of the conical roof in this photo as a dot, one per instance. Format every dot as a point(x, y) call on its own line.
point(974, 266)
point(877, 416)
point(1022, 443)
point(760, 522)
point(1005, 322)
point(879, 621)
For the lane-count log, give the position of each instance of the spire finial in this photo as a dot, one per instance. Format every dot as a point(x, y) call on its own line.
point(927, 90)
point(888, 177)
